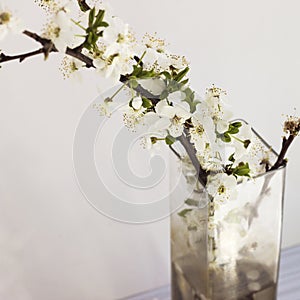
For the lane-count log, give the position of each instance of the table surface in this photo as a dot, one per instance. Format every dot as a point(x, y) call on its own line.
point(289, 280)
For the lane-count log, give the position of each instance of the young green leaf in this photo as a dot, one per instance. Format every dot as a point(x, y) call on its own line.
point(232, 129)
point(99, 19)
point(184, 212)
point(147, 103)
point(170, 140)
point(92, 16)
point(236, 124)
point(164, 95)
point(191, 202)
point(242, 170)
point(181, 74)
point(225, 137)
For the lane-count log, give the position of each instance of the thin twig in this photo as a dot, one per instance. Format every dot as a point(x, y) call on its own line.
point(281, 161)
point(175, 152)
point(140, 90)
point(20, 57)
point(48, 47)
point(37, 38)
point(190, 149)
point(80, 56)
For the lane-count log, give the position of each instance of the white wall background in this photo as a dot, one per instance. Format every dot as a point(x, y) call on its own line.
point(53, 245)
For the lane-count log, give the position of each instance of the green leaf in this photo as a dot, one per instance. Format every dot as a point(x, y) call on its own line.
point(242, 170)
point(145, 74)
point(92, 16)
point(147, 103)
point(181, 74)
point(166, 74)
point(191, 202)
point(136, 71)
point(164, 95)
point(170, 140)
point(236, 124)
point(232, 129)
point(192, 228)
point(184, 212)
point(103, 24)
point(189, 93)
point(90, 38)
point(190, 99)
point(133, 83)
point(225, 137)
point(99, 19)
point(184, 82)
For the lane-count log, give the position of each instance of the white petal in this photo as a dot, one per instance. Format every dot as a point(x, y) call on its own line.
point(227, 114)
point(99, 63)
point(246, 132)
point(153, 85)
point(176, 130)
point(3, 32)
point(160, 125)
point(164, 109)
point(177, 96)
point(137, 103)
point(222, 126)
point(150, 56)
point(182, 112)
point(150, 118)
point(230, 181)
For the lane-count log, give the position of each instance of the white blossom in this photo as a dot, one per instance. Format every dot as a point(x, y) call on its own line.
point(202, 133)
point(112, 66)
point(62, 31)
point(152, 143)
point(245, 134)
point(134, 116)
point(71, 68)
point(217, 109)
point(156, 55)
point(154, 85)
point(117, 49)
point(107, 107)
point(156, 125)
point(176, 115)
point(177, 97)
point(9, 23)
point(222, 187)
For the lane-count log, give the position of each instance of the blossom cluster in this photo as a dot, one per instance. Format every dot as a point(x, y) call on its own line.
point(219, 151)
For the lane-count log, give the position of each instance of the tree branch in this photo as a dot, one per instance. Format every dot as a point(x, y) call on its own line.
point(175, 152)
point(36, 37)
point(281, 161)
point(80, 56)
point(189, 148)
point(20, 57)
point(48, 47)
point(139, 89)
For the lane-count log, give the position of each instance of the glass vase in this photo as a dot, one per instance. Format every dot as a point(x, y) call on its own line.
point(232, 251)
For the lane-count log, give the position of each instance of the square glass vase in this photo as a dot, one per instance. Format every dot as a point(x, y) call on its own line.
point(230, 252)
